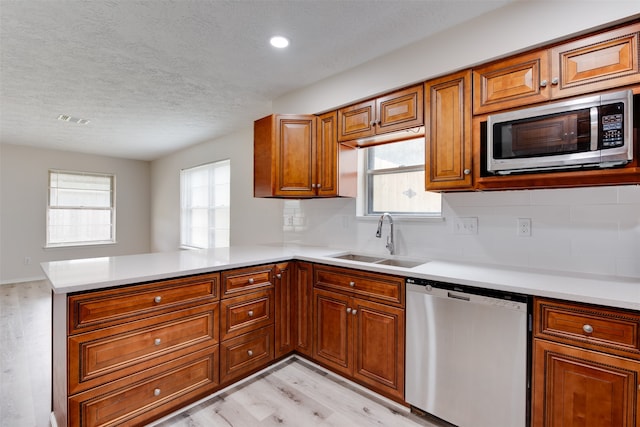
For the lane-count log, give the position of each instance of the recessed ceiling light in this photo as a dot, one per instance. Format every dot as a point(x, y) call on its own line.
point(279, 42)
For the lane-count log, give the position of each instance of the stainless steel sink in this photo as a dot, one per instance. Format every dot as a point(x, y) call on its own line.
point(370, 259)
point(359, 258)
point(401, 262)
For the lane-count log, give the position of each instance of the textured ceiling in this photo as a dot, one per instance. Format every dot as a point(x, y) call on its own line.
point(155, 76)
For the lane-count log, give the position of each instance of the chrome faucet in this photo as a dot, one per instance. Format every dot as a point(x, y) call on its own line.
point(390, 236)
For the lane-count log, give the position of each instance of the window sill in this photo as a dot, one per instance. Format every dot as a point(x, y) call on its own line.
point(78, 245)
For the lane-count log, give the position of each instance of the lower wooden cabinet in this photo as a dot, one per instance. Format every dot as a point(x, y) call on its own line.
point(586, 366)
point(576, 387)
point(132, 354)
point(244, 354)
point(134, 401)
point(360, 338)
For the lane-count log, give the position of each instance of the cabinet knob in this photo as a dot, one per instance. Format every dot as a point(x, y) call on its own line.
point(466, 171)
point(372, 123)
point(250, 313)
point(352, 284)
point(250, 353)
point(157, 341)
point(279, 276)
point(251, 280)
point(544, 83)
point(348, 309)
point(157, 299)
point(354, 311)
point(587, 328)
point(156, 392)
point(555, 81)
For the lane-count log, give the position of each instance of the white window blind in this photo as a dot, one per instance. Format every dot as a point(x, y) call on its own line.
point(205, 199)
point(81, 209)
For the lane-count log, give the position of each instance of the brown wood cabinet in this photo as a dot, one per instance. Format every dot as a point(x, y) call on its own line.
point(398, 110)
point(605, 60)
point(138, 352)
point(448, 151)
point(303, 309)
point(586, 365)
point(284, 308)
point(359, 337)
point(299, 156)
point(247, 321)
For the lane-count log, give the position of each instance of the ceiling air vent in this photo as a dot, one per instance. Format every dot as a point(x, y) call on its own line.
point(66, 118)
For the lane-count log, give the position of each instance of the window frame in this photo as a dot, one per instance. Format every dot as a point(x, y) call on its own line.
point(185, 240)
point(112, 210)
point(366, 176)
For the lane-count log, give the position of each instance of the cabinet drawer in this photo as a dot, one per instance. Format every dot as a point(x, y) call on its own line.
point(589, 326)
point(383, 287)
point(104, 355)
point(100, 309)
point(245, 280)
point(244, 313)
point(242, 355)
point(136, 402)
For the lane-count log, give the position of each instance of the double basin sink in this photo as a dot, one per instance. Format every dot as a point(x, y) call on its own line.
point(369, 259)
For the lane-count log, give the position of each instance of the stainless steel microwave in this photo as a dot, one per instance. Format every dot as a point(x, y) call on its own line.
point(594, 131)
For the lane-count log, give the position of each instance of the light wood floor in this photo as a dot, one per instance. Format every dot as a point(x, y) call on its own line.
point(294, 393)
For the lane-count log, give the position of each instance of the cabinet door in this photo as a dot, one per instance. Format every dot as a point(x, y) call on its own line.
point(602, 61)
point(326, 182)
point(284, 309)
point(357, 121)
point(303, 311)
point(379, 346)
point(296, 156)
point(400, 110)
point(511, 83)
point(448, 145)
point(575, 387)
point(332, 318)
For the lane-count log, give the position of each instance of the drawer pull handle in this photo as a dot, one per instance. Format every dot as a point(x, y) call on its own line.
point(587, 328)
point(250, 353)
point(157, 299)
point(348, 309)
point(352, 284)
point(156, 392)
point(157, 341)
point(251, 281)
point(250, 313)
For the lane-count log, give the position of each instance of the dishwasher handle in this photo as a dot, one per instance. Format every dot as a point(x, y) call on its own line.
point(460, 297)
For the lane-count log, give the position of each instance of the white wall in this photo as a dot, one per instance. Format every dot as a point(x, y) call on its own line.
point(593, 230)
point(23, 202)
point(252, 220)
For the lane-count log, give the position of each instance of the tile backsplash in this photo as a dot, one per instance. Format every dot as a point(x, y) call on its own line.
point(585, 230)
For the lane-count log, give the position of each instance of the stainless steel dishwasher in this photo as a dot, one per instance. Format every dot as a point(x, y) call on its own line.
point(467, 353)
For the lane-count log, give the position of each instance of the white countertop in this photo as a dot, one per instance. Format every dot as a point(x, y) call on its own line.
point(96, 273)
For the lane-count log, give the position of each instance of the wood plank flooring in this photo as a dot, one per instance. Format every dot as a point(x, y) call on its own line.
point(294, 393)
point(25, 354)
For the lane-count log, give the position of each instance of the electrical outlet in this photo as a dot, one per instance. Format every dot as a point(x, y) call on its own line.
point(524, 227)
point(468, 225)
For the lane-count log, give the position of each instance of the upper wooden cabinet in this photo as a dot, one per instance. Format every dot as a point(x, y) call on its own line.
point(299, 156)
point(448, 151)
point(395, 111)
point(602, 61)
